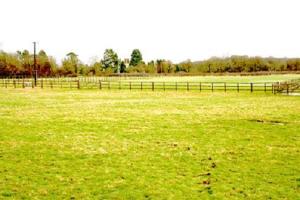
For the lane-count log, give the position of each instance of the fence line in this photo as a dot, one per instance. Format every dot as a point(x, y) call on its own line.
point(141, 85)
point(287, 87)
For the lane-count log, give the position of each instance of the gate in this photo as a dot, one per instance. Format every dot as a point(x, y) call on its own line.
point(291, 87)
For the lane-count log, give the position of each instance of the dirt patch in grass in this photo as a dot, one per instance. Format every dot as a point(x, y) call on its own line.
point(264, 121)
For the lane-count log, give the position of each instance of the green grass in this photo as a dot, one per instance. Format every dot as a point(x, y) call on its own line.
point(91, 144)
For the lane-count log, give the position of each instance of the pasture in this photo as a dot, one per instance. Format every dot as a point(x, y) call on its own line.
point(120, 144)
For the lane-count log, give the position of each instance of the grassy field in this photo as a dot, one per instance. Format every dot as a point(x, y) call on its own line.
point(87, 144)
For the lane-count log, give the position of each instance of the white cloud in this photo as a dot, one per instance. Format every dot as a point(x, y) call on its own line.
point(171, 29)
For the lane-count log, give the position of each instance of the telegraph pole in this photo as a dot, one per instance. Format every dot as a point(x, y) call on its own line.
point(34, 63)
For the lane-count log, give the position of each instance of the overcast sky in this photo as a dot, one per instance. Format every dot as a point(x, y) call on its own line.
point(171, 29)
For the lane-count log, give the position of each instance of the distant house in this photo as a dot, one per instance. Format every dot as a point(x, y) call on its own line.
point(127, 61)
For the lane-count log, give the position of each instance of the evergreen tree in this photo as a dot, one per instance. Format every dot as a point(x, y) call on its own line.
point(110, 60)
point(136, 57)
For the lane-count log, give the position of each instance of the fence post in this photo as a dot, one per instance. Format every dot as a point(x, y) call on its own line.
point(42, 84)
point(225, 87)
point(176, 86)
point(200, 86)
point(251, 87)
point(119, 85)
point(238, 87)
point(14, 83)
point(152, 86)
point(109, 85)
point(23, 83)
point(51, 85)
point(212, 87)
point(100, 85)
point(287, 89)
point(187, 86)
point(278, 87)
point(78, 84)
point(141, 85)
point(265, 87)
point(129, 85)
point(32, 83)
point(164, 86)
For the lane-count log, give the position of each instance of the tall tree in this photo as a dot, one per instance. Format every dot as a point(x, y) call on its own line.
point(122, 67)
point(136, 57)
point(159, 65)
point(44, 65)
point(71, 63)
point(74, 60)
point(27, 62)
point(110, 60)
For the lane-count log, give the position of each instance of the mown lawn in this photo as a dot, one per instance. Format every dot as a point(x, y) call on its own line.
point(91, 144)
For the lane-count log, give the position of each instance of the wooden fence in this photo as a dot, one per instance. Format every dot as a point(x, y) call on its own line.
point(288, 87)
point(140, 85)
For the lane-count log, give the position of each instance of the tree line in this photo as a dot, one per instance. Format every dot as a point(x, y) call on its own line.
point(21, 63)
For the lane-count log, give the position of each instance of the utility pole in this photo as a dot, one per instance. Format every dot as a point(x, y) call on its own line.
point(34, 63)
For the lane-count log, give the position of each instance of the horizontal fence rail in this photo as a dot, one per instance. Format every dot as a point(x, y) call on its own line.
point(288, 87)
point(94, 83)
